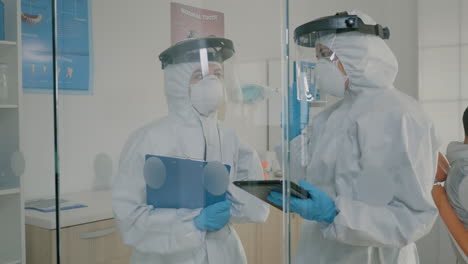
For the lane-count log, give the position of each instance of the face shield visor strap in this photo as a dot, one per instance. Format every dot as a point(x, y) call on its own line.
point(204, 64)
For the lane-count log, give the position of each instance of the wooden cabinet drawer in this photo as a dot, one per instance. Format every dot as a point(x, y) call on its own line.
point(263, 242)
point(97, 242)
point(92, 243)
point(100, 243)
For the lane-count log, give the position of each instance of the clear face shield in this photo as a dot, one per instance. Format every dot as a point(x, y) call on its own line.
point(316, 62)
point(210, 64)
point(307, 58)
point(306, 89)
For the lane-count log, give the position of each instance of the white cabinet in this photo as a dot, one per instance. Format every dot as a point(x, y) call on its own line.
point(11, 162)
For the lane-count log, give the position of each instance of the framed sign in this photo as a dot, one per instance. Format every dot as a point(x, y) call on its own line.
point(191, 22)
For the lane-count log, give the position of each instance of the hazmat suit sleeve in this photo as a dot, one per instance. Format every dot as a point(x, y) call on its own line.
point(392, 205)
point(247, 208)
point(143, 227)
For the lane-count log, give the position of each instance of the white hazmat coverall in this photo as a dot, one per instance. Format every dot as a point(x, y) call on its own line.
point(169, 236)
point(375, 154)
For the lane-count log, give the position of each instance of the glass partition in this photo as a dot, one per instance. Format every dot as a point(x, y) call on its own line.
point(37, 131)
point(167, 109)
point(162, 128)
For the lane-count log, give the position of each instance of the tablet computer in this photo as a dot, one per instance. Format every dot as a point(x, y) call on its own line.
point(261, 189)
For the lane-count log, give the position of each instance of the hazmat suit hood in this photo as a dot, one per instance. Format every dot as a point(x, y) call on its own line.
point(177, 91)
point(367, 59)
point(177, 87)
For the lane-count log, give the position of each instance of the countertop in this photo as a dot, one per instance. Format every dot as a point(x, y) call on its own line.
point(99, 208)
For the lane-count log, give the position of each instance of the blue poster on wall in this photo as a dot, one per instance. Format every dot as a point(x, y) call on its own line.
point(73, 45)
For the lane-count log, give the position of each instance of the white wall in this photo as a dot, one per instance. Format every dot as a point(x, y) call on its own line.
point(444, 64)
point(443, 45)
point(128, 89)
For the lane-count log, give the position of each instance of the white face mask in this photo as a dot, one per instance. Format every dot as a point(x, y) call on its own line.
point(206, 95)
point(330, 79)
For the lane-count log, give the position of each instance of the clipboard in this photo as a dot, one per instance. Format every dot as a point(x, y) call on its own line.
point(173, 182)
point(261, 189)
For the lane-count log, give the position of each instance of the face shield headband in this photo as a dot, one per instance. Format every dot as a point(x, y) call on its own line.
point(198, 50)
point(307, 34)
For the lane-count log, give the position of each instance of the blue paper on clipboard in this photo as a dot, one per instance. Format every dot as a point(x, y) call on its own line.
point(184, 183)
point(48, 205)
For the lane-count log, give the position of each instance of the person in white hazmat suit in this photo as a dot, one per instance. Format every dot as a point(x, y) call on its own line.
point(195, 85)
point(369, 160)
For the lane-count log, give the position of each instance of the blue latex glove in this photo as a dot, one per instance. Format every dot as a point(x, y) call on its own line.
point(214, 217)
point(320, 207)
